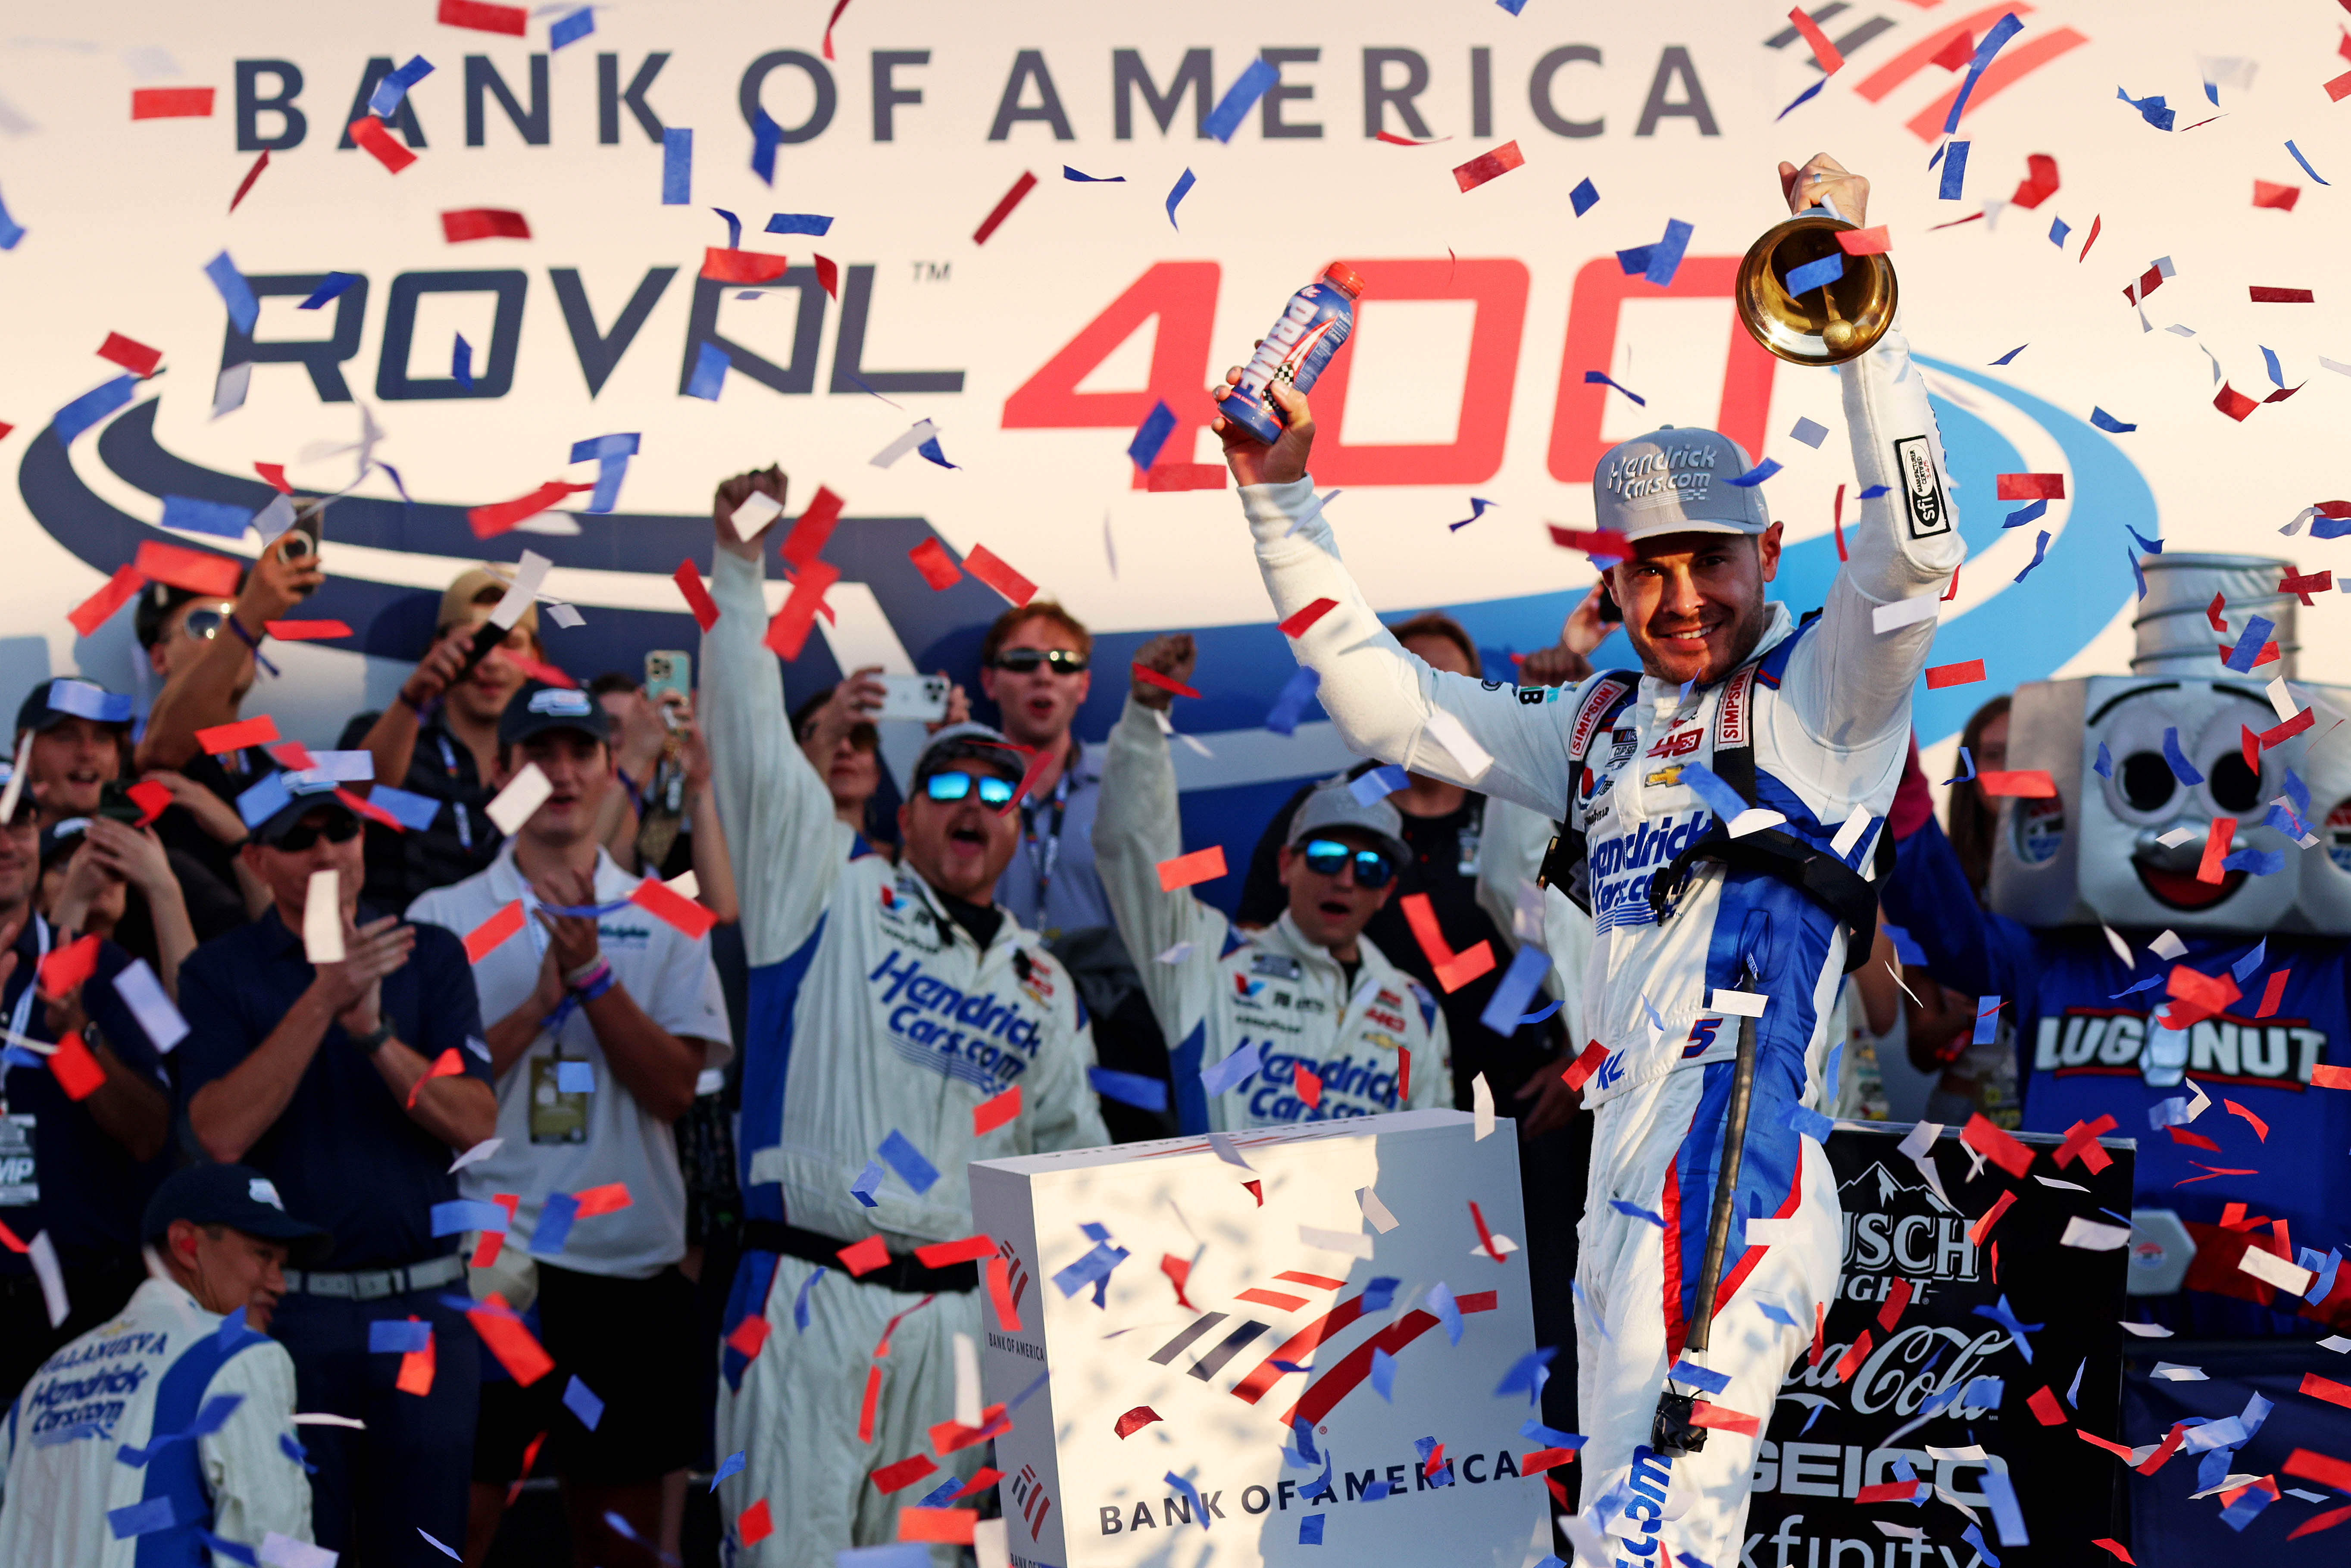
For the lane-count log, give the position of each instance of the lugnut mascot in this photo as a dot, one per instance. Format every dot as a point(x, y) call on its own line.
point(2144, 765)
point(1809, 722)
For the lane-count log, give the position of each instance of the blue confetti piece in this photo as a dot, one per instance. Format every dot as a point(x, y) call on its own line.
point(1528, 1374)
point(1778, 1314)
point(1085, 179)
point(902, 1156)
point(932, 452)
point(2000, 1492)
point(575, 1077)
point(1698, 1377)
point(1151, 436)
point(1801, 100)
point(461, 362)
point(235, 292)
point(556, 1217)
point(1584, 196)
point(1447, 1311)
point(2298, 792)
point(1220, 1077)
point(1666, 256)
point(216, 517)
point(1987, 1020)
point(868, 1183)
point(1380, 1294)
point(2259, 862)
point(2251, 961)
point(400, 1336)
point(2112, 426)
point(1757, 475)
point(1810, 1124)
point(800, 223)
point(1999, 1312)
point(1310, 1526)
point(2146, 985)
point(334, 285)
point(2104, 766)
point(1802, 280)
point(141, 1518)
point(1534, 1431)
point(2270, 359)
point(941, 1495)
point(581, 1402)
point(11, 231)
point(1478, 505)
point(1874, 492)
point(709, 373)
point(1809, 433)
point(1954, 173)
point(92, 406)
point(734, 229)
point(1505, 1009)
point(414, 811)
point(732, 1464)
point(2138, 575)
point(800, 1303)
point(1719, 797)
point(1384, 1374)
point(2257, 632)
point(2032, 513)
point(1631, 1210)
point(1192, 1493)
point(571, 29)
point(677, 167)
point(1592, 378)
point(2150, 109)
point(2289, 147)
point(1090, 1270)
point(766, 137)
point(1634, 261)
point(1129, 1088)
point(1515, 7)
point(1379, 784)
point(1183, 188)
point(2004, 29)
point(2040, 553)
point(1240, 98)
point(385, 101)
point(2058, 229)
point(2012, 353)
point(463, 1214)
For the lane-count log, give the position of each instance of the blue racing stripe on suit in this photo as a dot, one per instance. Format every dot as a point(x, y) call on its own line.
point(769, 1018)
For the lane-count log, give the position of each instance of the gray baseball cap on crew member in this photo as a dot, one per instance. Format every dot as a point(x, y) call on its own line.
point(1333, 804)
point(1677, 481)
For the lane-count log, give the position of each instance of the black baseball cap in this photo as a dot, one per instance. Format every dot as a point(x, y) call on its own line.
point(53, 701)
point(156, 602)
point(540, 707)
point(237, 1197)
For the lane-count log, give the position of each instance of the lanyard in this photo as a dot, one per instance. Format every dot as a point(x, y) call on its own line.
point(449, 766)
point(1049, 851)
point(24, 1013)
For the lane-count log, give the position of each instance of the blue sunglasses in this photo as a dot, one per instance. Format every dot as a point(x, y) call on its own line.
point(1325, 856)
point(993, 790)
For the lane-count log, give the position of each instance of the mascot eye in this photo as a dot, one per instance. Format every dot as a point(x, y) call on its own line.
point(2147, 780)
point(2235, 787)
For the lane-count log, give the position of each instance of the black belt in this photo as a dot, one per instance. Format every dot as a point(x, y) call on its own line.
point(903, 1272)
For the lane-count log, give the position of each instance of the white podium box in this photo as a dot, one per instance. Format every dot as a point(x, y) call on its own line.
point(1262, 1296)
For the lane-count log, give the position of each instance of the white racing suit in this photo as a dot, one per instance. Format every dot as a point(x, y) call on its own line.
point(144, 1376)
point(1378, 1045)
point(1827, 712)
point(870, 1012)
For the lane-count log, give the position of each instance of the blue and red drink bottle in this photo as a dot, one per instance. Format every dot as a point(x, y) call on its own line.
point(1317, 321)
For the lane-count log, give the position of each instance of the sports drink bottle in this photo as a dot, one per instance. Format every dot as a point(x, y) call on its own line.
point(1317, 321)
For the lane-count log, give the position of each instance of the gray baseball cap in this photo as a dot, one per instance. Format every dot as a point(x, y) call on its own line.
point(1677, 481)
point(968, 742)
point(1333, 804)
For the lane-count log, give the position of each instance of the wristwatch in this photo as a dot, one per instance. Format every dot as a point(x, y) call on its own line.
point(373, 1042)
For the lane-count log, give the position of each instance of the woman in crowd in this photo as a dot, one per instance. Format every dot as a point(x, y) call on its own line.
point(104, 878)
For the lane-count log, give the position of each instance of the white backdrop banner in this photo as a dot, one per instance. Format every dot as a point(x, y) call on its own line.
point(1145, 258)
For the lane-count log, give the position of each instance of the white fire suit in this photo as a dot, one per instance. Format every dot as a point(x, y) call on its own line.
point(1827, 714)
point(871, 1013)
point(1376, 1045)
point(144, 1376)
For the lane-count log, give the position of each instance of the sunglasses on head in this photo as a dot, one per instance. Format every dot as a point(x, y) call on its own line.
point(1022, 661)
point(203, 625)
point(993, 790)
point(1325, 856)
point(340, 828)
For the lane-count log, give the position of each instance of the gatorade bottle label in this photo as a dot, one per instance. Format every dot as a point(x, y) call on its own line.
point(1312, 327)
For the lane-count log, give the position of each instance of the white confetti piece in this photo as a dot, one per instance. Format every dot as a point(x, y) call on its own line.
point(2149, 1331)
point(322, 918)
point(529, 572)
point(2166, 1371)
point(1177, 954)
point(685, 885)
point(2273, 1270)
point(42, 1253)
point(2092, 1237)
point(2122, 948)
point(230, 387)
point(1447, 732)
point(2172, 840)
point(967, 1380)
point(1221, 1142)
point(526, 792)
point(751, 519)
point(1741, 1004)
point(1481, 1108)
point(476, 1154)
point(1352, 1243)
point(922, 431)
point(1904, 612)
point(2169, 945)
point(565, 615)
point(1850, 833)
point(1376, 1211)
point(1811, 433)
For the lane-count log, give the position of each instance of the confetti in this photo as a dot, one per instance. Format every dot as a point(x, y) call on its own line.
point(1003, 209)
point(483, 222)
point(1240, 98)
point(1490, 166)
point(1297, 623)
point(2109, 423)
point(1596, 378)
point(1176, 196)
point(1942, 675)
point(1583, 196)
point(1824, 52)
point(984, 564)
point(1136, 1419)
point(2263, 295)
point(172, 103)
point(1190, 870)
point(2267, 193)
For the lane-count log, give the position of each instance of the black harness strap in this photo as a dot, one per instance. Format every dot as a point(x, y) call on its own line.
point(1565, 863)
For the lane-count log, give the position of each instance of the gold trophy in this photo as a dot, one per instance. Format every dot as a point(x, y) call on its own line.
point(1826, 325)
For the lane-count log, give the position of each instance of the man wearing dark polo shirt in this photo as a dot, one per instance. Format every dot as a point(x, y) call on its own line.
point(351, 1086)
point(80, 1130)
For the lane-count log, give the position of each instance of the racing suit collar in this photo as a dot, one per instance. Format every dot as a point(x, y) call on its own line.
point(1283, 935)
point(1008, 931)
point(1777, 625)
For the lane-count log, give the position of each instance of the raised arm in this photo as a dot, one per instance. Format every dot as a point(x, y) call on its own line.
point(787, 848)
point(207, 692)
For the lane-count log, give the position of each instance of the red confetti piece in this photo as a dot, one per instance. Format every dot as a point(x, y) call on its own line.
point(827, 276)
point(1836, 521)
point(1897, 1298)
point(223, 738)
point(863, 1257)
point(306, 630)
point(74, 1069)
point(1478, 1300)
point(1257, 1191)
point(1864, 242)
point(1135, 1420)
point(995, 1110)
point(2269, 194)
point(517, 1348)
point(2323, 1469)
point(984, 1477)
point(1488, 166)
point(788, 633)
point(1723, 1419)
point(1542, 1459)
point(2040, 181)
point(2266, 296)
point(2319, 1521)
point(1297, 624)
point(112, 595)
point(1191, 870)
point(999, 1296)
point(171, 103)
point(750, 1336)
point(697, 596)
point(1591, 541)
point(1983, 1227)
point(1819, 1325)
point(485, 938)
point(990, 567)
point(1177, 1271)
point(416, 1366)
point(1466, 967)
point(1310, 1087)
point(2030, 487)
point(487, 1249)
point(723, 266)
point(838, 7)
point(963, 1249)
point(753, 1524)
point(2081, 1143)
point(251, 175)
point(903, 1474)
point(489, 521)
point(1485, 1235)
point(814, 526)
point(2098, 222)
point(1960, 674)
point(673, 908)
point(2341, 86)
point(938, 568)
point(1826, 53)
point(68, 966)
point(533, 669)
point(1151, 677)
point(2215, 850)
point(1003, 209)
point(2261, 1128)
point(952, 1526)
point(1888, 1491)
point(2233, 403)
point(609, 1199)
point(872, 1407)
point(1578, 1071)
point(2304, 584)
point(483, 223)
point(1850, 1362)
point(448, 1064)
point(2272, 994)
point(2045, 1408)
point(198, 571)
point(1165, 477)
point(511, 20)
point(370, 133)
point(2325, 1388)
point(2193, 1140)
point(1996, 1145)
point(152, 797)
point(131, 353)
point(2029, 783)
